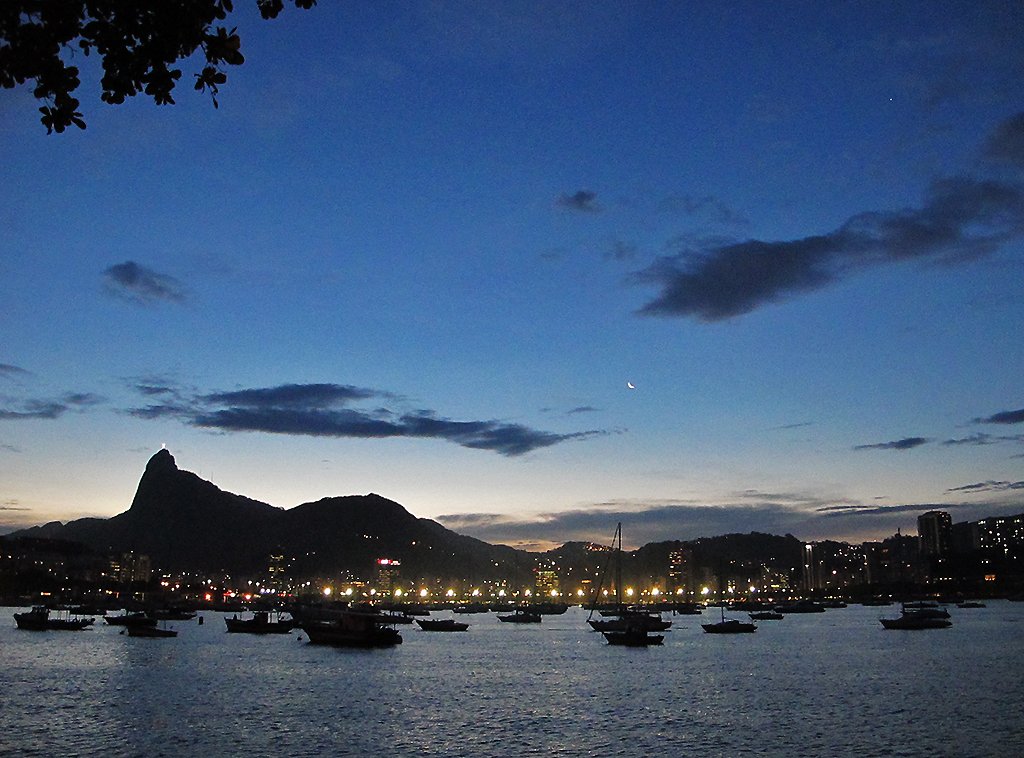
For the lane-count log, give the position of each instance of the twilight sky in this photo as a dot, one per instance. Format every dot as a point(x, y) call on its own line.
point(423, 250)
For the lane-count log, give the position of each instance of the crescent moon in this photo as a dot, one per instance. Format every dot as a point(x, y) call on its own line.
point(630, 385)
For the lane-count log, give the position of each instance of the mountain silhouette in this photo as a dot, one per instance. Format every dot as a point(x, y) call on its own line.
point(186, 523)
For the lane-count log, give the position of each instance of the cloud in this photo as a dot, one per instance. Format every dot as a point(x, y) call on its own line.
point(322, 410)
point(9, 371)
point(1006, 144)
point(798, 425)
point(620, 251)
point(583, 201)
point(989, 486)
point(706, 206)
point(34, 409)
point(51, 409)
point(582, 409)
point(805, 516)
point(906, 443)
point(961, 218)
point(138, 284)
point(1003, 417)
point(981, 438)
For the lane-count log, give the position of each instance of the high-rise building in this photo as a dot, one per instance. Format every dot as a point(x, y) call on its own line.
point(935, 533)
point(1001, 534)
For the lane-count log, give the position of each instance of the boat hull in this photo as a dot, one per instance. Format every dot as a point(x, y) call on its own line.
point(442, 625)
point(729, 627)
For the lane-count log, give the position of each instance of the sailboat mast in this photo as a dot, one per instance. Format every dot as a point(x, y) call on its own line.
point(618, 566)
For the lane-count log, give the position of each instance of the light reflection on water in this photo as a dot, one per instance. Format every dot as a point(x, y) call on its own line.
point(833, 683)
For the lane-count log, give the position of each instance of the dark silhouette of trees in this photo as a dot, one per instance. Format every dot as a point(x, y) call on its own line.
point(138, 42)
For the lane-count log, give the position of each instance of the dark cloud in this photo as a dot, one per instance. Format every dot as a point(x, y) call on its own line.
point(620, 251)
point(583, 201)
point(136, 283)
point(293, 396)
point(989, 486)
point(1003, 417)
point(798, 425)
point(981, 438)
point(906, 443)
point(960, 219)
point(35, 409)
point(706, 206)
point(7, 370)
point(321, 410)
point(83, 399)
point(1006, 145)
point(51, 409)
point(656, 522)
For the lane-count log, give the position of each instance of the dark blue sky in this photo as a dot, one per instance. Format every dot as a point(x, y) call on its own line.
point(421, 250)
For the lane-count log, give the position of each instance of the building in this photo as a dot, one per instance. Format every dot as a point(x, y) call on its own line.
point(935, 534)
point(389, 575)
point(1002, 535)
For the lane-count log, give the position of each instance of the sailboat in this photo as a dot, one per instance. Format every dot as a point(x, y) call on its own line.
point(632, 628)
point(729, 626)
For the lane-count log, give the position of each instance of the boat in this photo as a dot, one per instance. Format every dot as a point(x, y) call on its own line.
point(800, 606)
point(39, 620)
point(549, 608)
point(173, 614)
point(150, 631)
point(442, 625)
point(131, 619)
point(633, 637)
point(628, 618)
point(471, 608)
point(633, 627)
point(260, 623)
point(970, 604)
point(521, 616)
point(352, 629)
point(729, 626)
point(918, 618)
point(766, 616)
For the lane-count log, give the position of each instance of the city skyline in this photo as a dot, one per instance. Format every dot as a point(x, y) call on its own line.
point(533, 270)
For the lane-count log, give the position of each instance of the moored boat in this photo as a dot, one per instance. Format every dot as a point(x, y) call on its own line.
point(926, 617)
point(260, 623)
point(131, 619)
point(521, 616)
point(729, 626)
point(633, 637)
point(352, 629)
point(766, 616)
point(39, 620)
point(150, 631)
point(442, 625)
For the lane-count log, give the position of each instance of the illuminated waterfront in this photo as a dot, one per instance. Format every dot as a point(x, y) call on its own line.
point(832, 683)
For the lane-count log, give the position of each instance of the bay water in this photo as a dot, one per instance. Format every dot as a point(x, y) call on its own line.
point(835, 683)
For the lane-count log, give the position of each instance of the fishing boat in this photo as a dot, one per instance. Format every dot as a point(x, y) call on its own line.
point(261, 623)
point(766, 616)
point(729, 626)
point(442, 625)
point(39, 620)
point(918, 618)
point(130, 619)
point(150, 631)
point(352, 629)
point(521, 616)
